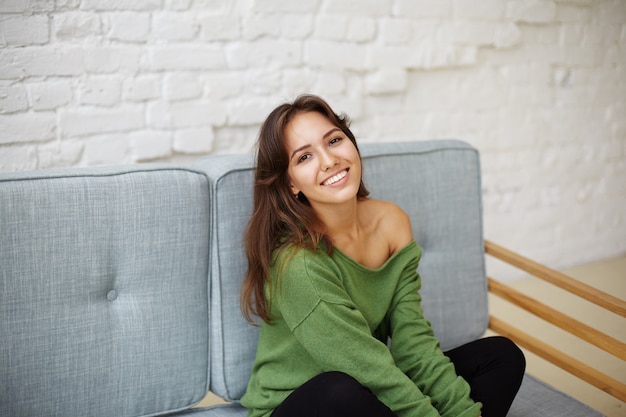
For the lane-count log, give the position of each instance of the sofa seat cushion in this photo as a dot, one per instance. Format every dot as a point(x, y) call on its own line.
point(537, 399)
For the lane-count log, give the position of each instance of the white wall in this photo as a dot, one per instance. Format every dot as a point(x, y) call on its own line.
point(538, 86)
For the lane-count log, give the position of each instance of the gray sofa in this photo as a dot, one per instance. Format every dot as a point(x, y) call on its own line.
point(119, 286)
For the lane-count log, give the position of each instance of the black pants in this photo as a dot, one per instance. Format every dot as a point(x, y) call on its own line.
point(492, 366)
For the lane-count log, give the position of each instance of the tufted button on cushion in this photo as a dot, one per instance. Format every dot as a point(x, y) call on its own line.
point(112, 295)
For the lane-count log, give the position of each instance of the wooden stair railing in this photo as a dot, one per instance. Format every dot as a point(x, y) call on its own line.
point(609, 344)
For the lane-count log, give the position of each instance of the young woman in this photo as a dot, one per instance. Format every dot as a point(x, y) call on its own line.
point(332, 275)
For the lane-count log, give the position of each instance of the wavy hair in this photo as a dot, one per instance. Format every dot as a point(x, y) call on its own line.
point(279, 219)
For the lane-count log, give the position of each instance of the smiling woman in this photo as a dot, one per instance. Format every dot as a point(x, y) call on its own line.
point(333, 276)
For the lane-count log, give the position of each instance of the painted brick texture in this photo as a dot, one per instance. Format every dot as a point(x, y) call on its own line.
point(538, 86)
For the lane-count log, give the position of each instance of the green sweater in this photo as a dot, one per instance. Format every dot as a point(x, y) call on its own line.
point(330, 313)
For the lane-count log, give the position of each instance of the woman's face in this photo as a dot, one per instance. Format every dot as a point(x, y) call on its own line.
point(323, 163)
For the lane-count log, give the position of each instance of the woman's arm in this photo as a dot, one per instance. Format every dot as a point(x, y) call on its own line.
point(414, 347)
point(417, 352)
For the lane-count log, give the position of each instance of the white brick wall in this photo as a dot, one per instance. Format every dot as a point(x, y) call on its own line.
point(538, 86)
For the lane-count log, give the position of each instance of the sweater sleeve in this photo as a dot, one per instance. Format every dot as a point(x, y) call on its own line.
point(324, 320)
point(417, 352)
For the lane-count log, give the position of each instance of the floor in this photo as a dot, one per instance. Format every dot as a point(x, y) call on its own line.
point(608, 276)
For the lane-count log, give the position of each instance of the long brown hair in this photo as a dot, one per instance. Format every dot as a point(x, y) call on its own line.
point(278, 218)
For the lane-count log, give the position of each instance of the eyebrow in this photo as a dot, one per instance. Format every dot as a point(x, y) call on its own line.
point(327, 134)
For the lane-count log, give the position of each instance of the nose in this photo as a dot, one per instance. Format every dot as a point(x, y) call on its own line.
point(328, 160)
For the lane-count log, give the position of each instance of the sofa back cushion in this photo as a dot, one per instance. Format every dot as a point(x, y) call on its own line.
point(436, 182)
point(103, 292)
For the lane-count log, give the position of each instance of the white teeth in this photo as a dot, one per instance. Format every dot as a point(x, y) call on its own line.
point(335, 178)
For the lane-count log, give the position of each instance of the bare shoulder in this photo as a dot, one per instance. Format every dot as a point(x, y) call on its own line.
point(393, 223)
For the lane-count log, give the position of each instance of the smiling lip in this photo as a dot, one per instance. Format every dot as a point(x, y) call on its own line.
point(336, 178)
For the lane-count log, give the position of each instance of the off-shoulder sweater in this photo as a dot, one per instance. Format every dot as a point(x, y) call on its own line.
point(330, 313)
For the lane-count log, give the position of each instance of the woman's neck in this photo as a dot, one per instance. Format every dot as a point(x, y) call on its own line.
point(342, 222)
